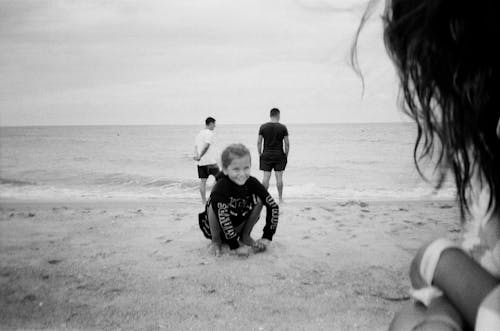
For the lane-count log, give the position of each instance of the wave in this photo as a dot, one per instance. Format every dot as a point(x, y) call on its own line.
point(123, 186)
point(123, 179)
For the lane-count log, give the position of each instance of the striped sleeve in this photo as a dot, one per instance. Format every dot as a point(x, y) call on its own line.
point(272, 210)
point(221, 209)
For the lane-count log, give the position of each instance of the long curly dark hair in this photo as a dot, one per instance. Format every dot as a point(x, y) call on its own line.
point(448, 66)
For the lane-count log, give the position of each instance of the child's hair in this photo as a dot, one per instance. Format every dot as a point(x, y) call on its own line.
point(274, 112)
point(448, 67)
point(231, 152)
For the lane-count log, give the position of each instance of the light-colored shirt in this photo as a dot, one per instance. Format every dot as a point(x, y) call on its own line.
point(211, 156)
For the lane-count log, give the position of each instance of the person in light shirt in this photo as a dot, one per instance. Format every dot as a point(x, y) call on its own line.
point(206, 155)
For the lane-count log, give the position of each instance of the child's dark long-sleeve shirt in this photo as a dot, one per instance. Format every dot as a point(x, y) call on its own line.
point(233, 205)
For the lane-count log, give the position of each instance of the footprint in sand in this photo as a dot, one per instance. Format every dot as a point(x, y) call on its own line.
point(112, 293)
point(54, 261)
point(137, 212)
point(29, 298)
point(279, 276)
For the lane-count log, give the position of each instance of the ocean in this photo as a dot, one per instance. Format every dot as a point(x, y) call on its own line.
point(326, 162)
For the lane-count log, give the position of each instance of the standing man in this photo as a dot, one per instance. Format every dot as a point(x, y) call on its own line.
point(273, 155)
point(205, 153)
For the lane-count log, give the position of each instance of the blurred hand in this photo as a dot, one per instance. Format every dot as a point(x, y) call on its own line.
point(260, 245)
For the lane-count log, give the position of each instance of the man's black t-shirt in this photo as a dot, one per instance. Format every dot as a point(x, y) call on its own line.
point(273, 133)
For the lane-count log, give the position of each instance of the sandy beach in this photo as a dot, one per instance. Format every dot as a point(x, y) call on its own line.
point(145, 266)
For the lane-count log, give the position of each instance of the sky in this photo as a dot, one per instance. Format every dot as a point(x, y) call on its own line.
point(123, 62)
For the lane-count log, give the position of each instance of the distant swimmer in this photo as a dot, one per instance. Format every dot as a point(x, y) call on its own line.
point(205, 154)
point(273, 155)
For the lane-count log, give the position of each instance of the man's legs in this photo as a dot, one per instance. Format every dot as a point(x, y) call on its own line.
point(250, 223)
point(266, 178)
point(203, 190)
point(279, 184)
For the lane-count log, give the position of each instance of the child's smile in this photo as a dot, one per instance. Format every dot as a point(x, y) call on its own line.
point(239, 170)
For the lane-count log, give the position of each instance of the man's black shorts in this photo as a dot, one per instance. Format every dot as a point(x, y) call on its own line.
point(273, 161)
point(207, 170)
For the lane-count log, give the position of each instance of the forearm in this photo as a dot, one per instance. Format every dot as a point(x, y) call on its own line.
point(204, 150)
point(464, 282)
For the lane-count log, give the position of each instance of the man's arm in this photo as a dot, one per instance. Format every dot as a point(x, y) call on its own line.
point(204, 150)
point(287, 145)
point(259, 144)
point(197, 157)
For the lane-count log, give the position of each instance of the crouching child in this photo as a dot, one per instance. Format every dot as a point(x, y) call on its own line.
point(235, 205)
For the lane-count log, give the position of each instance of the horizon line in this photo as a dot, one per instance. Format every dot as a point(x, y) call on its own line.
point(193, 124)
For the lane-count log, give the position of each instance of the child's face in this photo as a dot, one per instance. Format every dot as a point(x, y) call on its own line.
point(239, 170)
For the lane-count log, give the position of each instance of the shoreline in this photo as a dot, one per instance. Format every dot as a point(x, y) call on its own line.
point(145, 265)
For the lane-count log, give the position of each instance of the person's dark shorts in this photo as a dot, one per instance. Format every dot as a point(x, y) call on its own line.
point(207, 170)
point(204, 224)
point(273, 161)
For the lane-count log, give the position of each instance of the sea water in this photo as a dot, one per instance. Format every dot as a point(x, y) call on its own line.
point(326, 161)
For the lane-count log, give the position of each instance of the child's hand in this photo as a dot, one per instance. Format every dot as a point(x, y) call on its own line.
point(242, 251)
point(215, 249)
point(260, 245)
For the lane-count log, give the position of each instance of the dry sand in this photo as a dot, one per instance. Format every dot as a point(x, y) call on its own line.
point(145, 266)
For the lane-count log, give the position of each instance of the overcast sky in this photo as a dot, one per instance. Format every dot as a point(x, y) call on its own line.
point(84, 62)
